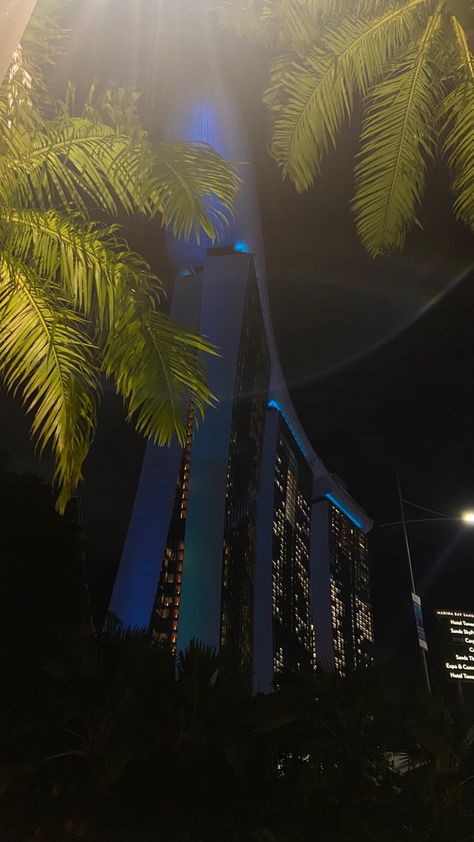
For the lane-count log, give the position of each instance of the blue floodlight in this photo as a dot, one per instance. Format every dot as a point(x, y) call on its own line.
point(344, 511)
point(242, 247)
point(273, 404)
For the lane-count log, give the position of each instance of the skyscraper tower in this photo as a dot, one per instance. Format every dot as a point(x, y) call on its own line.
point(222, 544)
point(345, 623)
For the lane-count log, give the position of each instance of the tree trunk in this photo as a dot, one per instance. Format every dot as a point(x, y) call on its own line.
point(14, 15)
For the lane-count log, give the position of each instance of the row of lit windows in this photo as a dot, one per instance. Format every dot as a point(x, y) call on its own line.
point(291, 532)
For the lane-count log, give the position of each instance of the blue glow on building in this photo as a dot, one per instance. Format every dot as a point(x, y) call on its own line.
point(201, 301)
point(242, 247)
point(273, 404)
point(206, 116)
point(343, 509)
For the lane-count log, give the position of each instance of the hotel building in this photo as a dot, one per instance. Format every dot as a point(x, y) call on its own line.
point(243, 539)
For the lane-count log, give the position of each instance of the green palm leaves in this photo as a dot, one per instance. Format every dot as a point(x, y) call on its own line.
point(153, 362)
point(457, 110)
point(319, 101)
point(410, 66)
point(392, 167)
point(47, 354)
point(75, 301)
point(186, 185)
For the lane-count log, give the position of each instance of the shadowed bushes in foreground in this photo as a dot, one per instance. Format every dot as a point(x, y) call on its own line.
point(103, 739)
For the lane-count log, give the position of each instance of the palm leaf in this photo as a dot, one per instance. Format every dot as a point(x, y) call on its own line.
point(195, 189)
point(311, 99)
point(24, 85)
point(93, 266)
point(156, 368)
point(73, 163)
point(65, 279)
point(44, 35)
point(242, 18)
point(45, 354)
point(191, 186)
point(77, 163)
point(457, 114)
point(115, 106)
point(398, 137)
point(293, 23)
point(274, 23)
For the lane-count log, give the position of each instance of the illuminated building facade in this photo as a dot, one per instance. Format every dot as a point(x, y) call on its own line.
point(293, 637)
point(342, 597)
point(165, 616)
point(188, 565)
point(284, 632)
point(243, 476)
point(223, 544)
point(233, 467)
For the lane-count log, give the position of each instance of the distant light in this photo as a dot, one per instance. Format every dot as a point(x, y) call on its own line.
point(468, 517)
point(344, 511)
point(242, 247)
point(186, 272)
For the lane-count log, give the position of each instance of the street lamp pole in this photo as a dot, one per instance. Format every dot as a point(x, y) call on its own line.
point(422, 648)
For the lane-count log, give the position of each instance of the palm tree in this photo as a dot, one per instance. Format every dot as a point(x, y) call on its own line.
point(14, 15)
point(407, 63)
point(75, 301)
point(83, 722)
point(327, 758)
point(108, 733)
point(440, 759)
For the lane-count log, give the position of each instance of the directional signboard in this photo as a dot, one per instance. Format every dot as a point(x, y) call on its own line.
point(420, 626)
point(457, 642)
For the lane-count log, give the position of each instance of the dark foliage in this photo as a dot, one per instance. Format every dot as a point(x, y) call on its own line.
point(104, 739)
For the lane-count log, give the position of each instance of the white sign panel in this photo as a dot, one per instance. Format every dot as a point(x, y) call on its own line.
point(457, 644)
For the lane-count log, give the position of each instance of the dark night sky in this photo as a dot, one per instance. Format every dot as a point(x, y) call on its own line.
point(378, 354)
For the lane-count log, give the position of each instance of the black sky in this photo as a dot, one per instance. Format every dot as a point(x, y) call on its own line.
point(378, 354)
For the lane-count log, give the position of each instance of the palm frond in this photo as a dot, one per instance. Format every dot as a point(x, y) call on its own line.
point(44, 36)
point(73, 163)
point(294, 24)
point(46, 356)
point(457, 116)
point(195, 189)
point(312, 99)
point(189, 185)
point(156, 367)
point(16, 95)
point(24, 82)
point(244, 19)
point(115, 106)
point(76, 163)
point(43, 39)
point(92, 265)
point(274, 23)
point(398, 137)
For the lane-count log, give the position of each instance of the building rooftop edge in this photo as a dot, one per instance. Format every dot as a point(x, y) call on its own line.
point(280, 400)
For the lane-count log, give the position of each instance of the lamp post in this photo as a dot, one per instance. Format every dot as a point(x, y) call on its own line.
point(466, 518)
point(416, 601)
point(14, 16)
